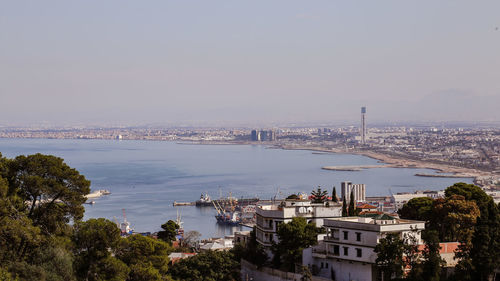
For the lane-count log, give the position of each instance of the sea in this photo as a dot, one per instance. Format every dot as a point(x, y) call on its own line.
point(146, 177)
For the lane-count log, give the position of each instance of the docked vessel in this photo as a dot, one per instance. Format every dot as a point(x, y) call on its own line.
point(204, 200)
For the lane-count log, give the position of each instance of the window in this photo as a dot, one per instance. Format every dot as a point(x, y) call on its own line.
point(358, 252)
point(346, 235)
point(358, 236)
point(270, 223)
point(336, 250)
point(326, 265)
point(346, 251)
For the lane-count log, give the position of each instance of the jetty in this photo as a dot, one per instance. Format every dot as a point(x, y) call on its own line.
point(354, 168)
point(442, 175)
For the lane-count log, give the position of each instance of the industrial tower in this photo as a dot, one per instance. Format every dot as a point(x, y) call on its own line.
point(363, 125)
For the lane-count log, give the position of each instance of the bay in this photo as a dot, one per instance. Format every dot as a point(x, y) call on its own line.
point(146, 177)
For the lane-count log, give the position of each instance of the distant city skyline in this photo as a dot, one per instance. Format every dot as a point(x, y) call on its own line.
point(252, 64)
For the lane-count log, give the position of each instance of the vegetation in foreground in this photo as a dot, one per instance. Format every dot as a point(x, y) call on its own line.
point(43, 237)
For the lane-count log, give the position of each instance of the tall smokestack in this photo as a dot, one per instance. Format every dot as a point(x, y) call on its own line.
point(363, 125)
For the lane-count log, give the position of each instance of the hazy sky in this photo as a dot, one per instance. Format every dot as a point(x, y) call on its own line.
point(231, 62)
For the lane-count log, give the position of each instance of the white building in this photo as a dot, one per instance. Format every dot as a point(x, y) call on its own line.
point(399, 199)
point(347, 251)
point(347, 187)
point(270, 216)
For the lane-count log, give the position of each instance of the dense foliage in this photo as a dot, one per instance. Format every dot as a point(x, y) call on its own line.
point(43, 237)
point(468, 215)
point(207, 266)
point(294, 237)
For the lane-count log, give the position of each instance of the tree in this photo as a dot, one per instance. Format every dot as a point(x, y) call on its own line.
point(454, 218)
point(54, 191)
point(207, 266)
point(334, 195)
point(319, 196)
point(145, 256)
point(93, 240)
point(417, 209)
point(390, 256)
point(294, 237)
point(432, 261)
point(479, 259)
point(344, 208)
point(169, 231)
point(352, 206)
point(191, 238)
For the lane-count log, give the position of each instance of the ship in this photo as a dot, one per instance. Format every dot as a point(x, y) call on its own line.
point(224, 216)
point(204, 200)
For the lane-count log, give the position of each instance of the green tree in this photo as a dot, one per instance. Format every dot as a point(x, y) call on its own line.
point(417, 209)
point(294, 237)
point(18, 236)
point(344, 208)
point(334, 195)
point(54, 191)
point(145, 256)
point(207, 266)
point(454, 218)
point(169, 231)
point(432, 261)
point(479, 259)
point(351, 211)
point(319, 196)
point(389, 260)
point(94, 241)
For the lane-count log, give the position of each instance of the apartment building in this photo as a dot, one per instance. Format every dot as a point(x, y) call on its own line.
point(269, 217)
point(347, 251)
point(358, 190)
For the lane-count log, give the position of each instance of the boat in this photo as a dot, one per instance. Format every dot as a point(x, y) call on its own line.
point(125, 225)
point(204, 200)
point(231, 216)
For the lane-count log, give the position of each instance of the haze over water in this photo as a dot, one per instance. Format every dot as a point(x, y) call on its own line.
point(146, 177)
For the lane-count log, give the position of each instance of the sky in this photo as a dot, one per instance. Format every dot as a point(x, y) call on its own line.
point(248, 62)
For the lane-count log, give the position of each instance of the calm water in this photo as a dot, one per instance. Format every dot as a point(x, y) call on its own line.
point(146, 177)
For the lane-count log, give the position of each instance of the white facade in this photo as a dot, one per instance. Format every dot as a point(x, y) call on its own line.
point(270, 216)
point(347, 251)
point(359, 191)
point(400, 199)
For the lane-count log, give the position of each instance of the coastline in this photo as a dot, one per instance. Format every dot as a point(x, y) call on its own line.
point(390, 161)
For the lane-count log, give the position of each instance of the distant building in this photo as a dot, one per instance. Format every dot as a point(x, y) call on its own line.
point(347, 251)
point(359, 191)
point(263, 135)
point(254, 135)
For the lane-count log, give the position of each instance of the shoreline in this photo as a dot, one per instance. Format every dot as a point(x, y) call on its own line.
point(387, 161)
point(390, 161)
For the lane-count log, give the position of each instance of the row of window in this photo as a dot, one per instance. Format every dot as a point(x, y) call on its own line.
point(335, 235)
point(336, 251)
point(346, 235)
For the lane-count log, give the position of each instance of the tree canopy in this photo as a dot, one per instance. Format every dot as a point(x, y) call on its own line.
point(319, 196)
point(207, 266)
point(293, 238)
point(169, 231)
